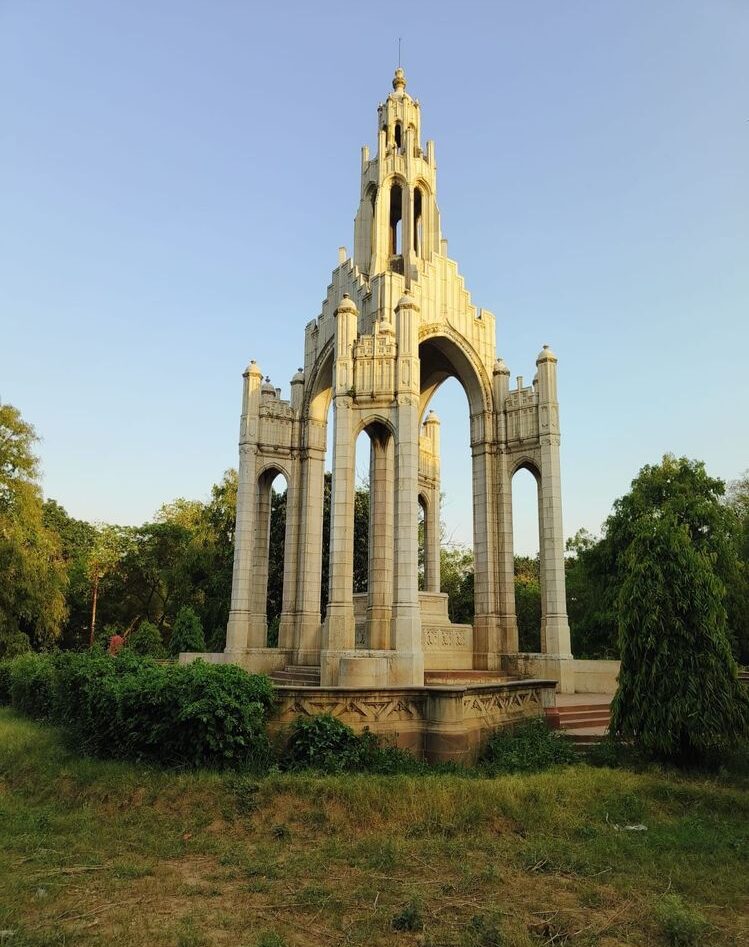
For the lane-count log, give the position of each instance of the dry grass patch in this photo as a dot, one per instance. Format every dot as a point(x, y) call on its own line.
point(96, 853)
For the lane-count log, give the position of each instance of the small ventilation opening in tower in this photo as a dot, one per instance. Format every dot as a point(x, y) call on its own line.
point(396, 222)
point(398, 136)
point(418, 229)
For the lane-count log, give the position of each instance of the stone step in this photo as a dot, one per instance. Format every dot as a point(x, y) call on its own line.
point(465, 677)
point(578, 708)
point(299, 675)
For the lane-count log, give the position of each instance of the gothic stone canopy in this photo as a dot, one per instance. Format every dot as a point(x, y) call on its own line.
point(396, 322)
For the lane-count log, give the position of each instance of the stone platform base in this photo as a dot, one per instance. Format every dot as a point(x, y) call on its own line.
point(439, 724)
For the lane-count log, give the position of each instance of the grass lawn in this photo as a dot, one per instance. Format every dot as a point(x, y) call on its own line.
point(107, 853)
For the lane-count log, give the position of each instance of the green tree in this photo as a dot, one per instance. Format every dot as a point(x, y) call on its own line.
point(105, 555)
point(32, 590)
point(76, 539)
point(528, 602)
point(679, 697)
point(146, 641)
point(456, 580)
point(187, 633)
point(590, 597)
point(737, 581)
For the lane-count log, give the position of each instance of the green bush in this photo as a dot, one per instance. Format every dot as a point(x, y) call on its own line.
point(31, 685)
point(131, 707)
point(146, 641)
point(187, 634)
point(682, 926)
point(327, 744)
point(4, 682)
point(13, 644)
point(408, 918)
point(525, 748)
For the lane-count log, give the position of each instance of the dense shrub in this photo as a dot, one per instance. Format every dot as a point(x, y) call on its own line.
point(14, 643)
point(187, 634)
point(146, 641)
point(194, 714)
point(327, 744)
point(31, 684)
point(4, 682)
point(525, 748)
point(134, 708)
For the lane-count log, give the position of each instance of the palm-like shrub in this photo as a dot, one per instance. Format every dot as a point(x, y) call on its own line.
point(679, 697)
point(187, 634)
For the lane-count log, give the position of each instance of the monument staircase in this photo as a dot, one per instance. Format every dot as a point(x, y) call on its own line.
point(583, 719)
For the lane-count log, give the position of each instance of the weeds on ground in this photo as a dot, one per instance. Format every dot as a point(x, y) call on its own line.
point(683, 926)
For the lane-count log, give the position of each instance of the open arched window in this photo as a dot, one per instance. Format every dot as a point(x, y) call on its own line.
point(398, 133)
point(396, 220)
point(418, 221)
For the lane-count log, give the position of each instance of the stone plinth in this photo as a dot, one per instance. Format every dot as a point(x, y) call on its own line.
point(440, 724)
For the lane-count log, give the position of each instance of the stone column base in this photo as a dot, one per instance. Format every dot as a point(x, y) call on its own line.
point(237, 630)
point(371, 668)
point(486, 643)
point(309, 630)
point(556, 667)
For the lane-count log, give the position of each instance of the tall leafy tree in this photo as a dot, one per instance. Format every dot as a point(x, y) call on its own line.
point(737, 603)
point(671, 548)
point(32, 590)
point(679, 697)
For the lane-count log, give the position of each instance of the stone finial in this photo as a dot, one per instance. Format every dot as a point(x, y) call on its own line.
point(268, 387)
point(546, 355)
point(432, 418)
point(407, 302)
point(298, 378)
point(399, 80)
point(253, 369)
point(347, 304)
point(500, 367)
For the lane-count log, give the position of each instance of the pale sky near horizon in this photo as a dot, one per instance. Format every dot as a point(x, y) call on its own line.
point(177, 175)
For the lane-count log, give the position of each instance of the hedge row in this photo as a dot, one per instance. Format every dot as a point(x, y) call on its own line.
point(130, 707)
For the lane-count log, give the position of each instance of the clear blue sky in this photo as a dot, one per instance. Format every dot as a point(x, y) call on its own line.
point(176, 177)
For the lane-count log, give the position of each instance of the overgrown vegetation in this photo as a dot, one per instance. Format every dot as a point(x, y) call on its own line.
point(133, 708)
point(161, 858)
point(327, 745)
point(526, 747)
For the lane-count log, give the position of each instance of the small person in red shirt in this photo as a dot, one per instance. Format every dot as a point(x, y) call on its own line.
point(115, 644)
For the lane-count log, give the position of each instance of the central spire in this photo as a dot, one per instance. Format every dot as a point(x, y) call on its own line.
point(397, 225)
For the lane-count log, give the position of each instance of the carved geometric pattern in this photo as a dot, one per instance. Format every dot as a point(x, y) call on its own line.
point(367, 709)
point(498, 705)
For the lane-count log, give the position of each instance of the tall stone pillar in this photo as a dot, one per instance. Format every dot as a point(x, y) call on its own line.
point(309, 563)
point(432, 525)
point(555, 631)
point(505, 554)
point(486, 644)
point(339, 628)
point(408, 662)
point(238, 628)
point(380, 577)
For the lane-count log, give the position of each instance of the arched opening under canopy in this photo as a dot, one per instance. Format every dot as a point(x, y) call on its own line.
point(270, 548)
point(527, 555)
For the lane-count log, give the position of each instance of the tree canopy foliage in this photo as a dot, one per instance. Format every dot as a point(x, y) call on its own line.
point(679, 696)
point(34, 578)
